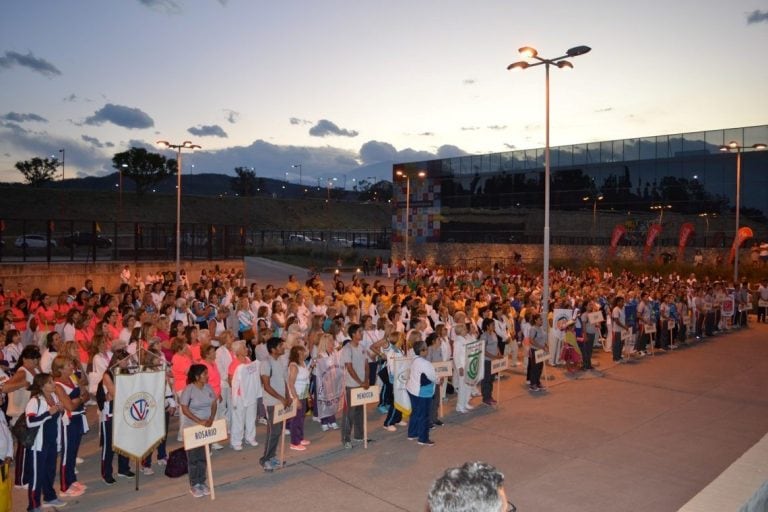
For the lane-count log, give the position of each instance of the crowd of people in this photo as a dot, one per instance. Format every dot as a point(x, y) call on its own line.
point(239, 351)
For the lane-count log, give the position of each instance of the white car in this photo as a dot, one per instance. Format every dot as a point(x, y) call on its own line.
point(299, 239)
point(341, 242)
point(33, 241)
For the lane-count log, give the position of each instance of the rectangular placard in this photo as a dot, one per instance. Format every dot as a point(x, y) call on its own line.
point(649, 328)
point(595, 317)
point(541, 356)
point(284, 413)
point(762, 303)
point(499, 365)
point(443, 369)
point(671, 325)
point(362, 396)
point(200, 435)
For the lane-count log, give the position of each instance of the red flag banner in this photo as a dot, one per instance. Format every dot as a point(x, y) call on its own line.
point(653, 232)
point(618, 233)
point(742, 236)
point(686, 231)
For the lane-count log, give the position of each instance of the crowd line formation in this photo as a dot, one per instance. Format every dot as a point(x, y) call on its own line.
point(238, 351)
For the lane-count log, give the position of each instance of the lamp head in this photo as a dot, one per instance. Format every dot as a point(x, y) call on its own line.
point(518, 65)
point(421, 174)
point(578, 50)
point(163, 143)
point(528, 52)
point(564, 64)
point(758, 147)
point(399, 173)
point(733, 144)
point(600, 197)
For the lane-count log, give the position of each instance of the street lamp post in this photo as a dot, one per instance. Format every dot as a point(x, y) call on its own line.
point(661, 208)
point(561, 63)
point(594, 199)
point(402, 174)
point(706, 217)
point(299, 166)
point(178, 147)
point(735, 146)
point(63, 162)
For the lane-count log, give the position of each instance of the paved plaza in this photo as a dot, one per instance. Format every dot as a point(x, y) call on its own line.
point(648, 435)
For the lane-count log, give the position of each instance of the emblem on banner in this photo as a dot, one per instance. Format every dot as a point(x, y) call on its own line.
point(474, 365)
point(139, 409)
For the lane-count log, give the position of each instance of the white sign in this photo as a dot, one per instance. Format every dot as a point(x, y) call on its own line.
point(284, 413)
point(443, 369)
point(200, 435)
point(649, 328)
point(541, 356)
point(726, 308)
point(499, 365)
point(362, 396)
point(670, 324)
point(762, 303)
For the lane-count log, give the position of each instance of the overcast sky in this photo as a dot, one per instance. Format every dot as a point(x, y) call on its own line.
point(334, 85)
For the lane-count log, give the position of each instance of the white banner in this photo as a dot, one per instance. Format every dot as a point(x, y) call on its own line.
point(727, 306)
point(402, 367)
point(139, 418)
point(330, 385)
point(561, 317)
point(473, 363)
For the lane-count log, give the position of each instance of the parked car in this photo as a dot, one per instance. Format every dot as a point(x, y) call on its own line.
point(33, 242)
point(300, 239)
point(341, 242)
point(83, 238)
point(360, 241)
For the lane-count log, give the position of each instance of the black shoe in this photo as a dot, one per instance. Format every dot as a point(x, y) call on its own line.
point(127, 474)
point(439, 423)
point(109, 480)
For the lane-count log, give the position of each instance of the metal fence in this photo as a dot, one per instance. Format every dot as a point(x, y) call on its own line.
point(23, 240)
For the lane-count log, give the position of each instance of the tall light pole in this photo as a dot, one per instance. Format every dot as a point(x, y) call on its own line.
point(560, 62)
point(63, 162)
point(594, 199)
point(178, 147)
point(407, 176)
point(738, 148)
point(661, 208)
point(299, 166)
point(706, 217)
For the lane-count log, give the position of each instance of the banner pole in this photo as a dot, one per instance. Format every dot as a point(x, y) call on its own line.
point(365, 426)
point(210, 470)
point(440, 397)
point(138, 463)
point(282, 447)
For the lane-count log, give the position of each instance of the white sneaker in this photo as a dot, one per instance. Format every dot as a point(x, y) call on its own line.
point(237, 448)
point(253, 443)
point(390, 428)
point(217, 446)
point(147, 471)
point(334, 426)
point(263, 421)
point(315, 419)
point(325, 428)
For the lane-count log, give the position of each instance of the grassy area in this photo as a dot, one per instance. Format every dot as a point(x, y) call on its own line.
point(19, 202)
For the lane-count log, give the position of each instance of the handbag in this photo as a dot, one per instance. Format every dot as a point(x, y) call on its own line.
point(23, 433)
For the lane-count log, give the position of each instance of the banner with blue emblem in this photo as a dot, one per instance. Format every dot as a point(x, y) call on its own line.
point(139, 415)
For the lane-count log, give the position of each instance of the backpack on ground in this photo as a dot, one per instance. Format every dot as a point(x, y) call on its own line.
point(177, 463)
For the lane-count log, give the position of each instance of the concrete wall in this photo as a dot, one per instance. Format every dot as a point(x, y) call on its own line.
point(486, 255)
point(57, 277)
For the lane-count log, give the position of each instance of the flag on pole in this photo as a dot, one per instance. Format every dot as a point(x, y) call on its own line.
point(330, 385)
point(139, 419)
point(402, 369)
point(475, 369)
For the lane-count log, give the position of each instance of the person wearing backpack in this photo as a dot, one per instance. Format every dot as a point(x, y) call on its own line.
point(18, 396)
point(105, 395)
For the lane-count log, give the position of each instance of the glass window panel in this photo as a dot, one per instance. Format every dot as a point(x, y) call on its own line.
point(647, 148)
point(736, 134)
point(693, 142)
point(593, 152)
point(606, 152)
point(631, 150)
point(675, 145)
point(714, 140)
point(756, 135)
point(579, 154)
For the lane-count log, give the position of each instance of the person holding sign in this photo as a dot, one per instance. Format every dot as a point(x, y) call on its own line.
point(460, 341)
point(356, 374)
point(105, 394)
point(298, 388)
point(644, 321)
point(421, 389)
point(273, 378)
point(198, 405)
point(618, 326)
point(538, 341)
point(491, 352)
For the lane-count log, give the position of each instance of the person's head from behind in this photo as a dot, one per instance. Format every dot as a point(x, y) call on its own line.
point(473, 487)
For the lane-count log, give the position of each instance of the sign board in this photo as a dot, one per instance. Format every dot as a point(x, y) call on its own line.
point(200, 435)
point(670, 325)
point(727, 306)
point(626, 334)
point(595, 317)
point(284, 413)
point(649, 328)
point(541, 356)
point(499, 365)
point(362, 396)
point(762, 303)
point(443, 369)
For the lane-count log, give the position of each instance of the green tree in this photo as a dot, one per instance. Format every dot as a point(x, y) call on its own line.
point(245, 182)
point(145, 169)
point(38, 170)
